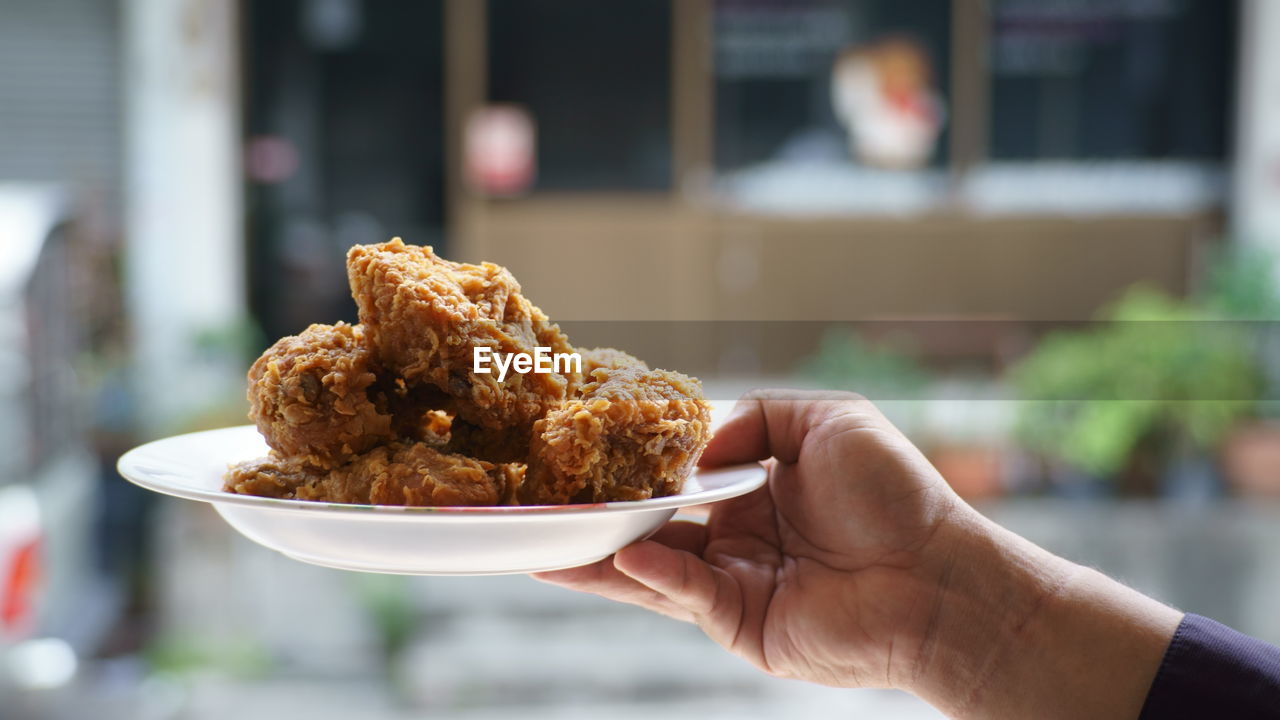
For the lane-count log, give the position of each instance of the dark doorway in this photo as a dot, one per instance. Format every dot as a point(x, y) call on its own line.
point(344, 129)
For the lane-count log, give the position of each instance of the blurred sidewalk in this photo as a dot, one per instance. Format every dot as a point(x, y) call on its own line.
point(483, 647)
point(486, 647)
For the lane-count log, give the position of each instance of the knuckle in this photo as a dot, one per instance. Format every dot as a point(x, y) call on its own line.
point(854, 398)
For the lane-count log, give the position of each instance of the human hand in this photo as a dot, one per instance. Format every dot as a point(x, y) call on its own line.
point(856, 565)
point(827, 573)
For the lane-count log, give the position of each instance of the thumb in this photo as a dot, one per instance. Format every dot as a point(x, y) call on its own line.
point(771, 423)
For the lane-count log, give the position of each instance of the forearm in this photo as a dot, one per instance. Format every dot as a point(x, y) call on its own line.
point(1019, 632)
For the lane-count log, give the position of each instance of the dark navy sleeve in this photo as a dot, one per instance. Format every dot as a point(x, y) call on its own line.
point(1212, 671)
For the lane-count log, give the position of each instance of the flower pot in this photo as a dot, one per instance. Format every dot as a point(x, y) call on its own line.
point(974, 472)
point(1251, 459)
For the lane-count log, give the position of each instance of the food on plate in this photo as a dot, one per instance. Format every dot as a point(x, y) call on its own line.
point(395, 410)
point(631, 434)
point(309, 396)
point(595, 358)
point(506, 445)
point(272, 476)
point(425, 316)
point(416, 474)
point(394, 474)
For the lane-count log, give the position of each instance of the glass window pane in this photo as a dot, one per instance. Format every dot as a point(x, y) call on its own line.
point(774, 63)
point(1111, 78)
point(596, 78)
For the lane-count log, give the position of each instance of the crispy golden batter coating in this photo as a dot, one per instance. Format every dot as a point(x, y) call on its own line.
point(631, 434)
point(595, 358)
point(496, 446)
point(425, 316)
point(308, 394)
point(416, 474)
point(272, 476)
point(395, 474)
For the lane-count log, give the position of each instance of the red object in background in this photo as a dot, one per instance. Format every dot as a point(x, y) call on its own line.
point(17, 603)
point(974, 472)
point(499, 158)
point(20, 560)
point(270, 159)
point(1251, 459)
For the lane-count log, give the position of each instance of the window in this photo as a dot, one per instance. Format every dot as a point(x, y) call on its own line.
point(1113, 79)
point(595, 76)
point(773, 71)
point(1068, 106)
point(351, 94)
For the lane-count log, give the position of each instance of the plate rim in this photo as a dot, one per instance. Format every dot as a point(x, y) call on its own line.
point(127, 462)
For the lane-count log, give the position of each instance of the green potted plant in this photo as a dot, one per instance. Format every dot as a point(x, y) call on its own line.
point(1242, 286)
point(1158, 379)
point(845, 361)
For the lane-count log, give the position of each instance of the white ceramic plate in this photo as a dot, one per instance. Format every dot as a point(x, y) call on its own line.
point(413, 540)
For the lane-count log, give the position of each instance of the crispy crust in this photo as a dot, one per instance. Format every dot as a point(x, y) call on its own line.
point(396, 474)
point(497, 446)
point(309, 395)
point(272, 476)
point(632, 434)
point(425, 316)
point(609, 358)
point(415, 474)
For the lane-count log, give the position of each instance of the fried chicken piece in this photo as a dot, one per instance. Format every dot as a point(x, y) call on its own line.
point(416, 474)
point(308, 394)
point(438, 427)
point(595, 358)
point(631, 434)
point(421, 475)
point(272, 476)
point(512, 444)
point(394, 474)
point(496, 446)
point(425, 316)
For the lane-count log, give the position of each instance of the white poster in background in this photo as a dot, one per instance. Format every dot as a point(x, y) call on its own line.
point(1255, 207)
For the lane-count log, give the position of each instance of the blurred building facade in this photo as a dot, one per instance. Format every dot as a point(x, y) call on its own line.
point(1082, 147)
point(704, 132)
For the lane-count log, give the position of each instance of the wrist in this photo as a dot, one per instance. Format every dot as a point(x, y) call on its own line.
point(987, 585)
point(1016, 631)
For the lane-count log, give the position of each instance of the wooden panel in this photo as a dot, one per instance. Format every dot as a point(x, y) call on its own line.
point(970, 83)
point(601, 257)
point(1034, 269)
point(753, 294)
point(692, 91)
point(465, 89)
